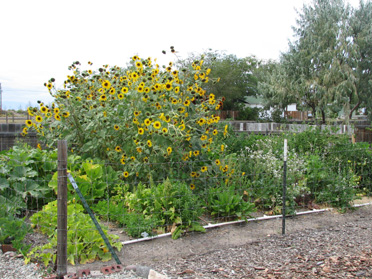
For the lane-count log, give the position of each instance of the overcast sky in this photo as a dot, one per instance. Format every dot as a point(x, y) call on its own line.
point(40, 39)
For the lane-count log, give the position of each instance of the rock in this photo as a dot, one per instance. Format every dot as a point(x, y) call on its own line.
point(131, 267)
point(143, 271)
point(156, 275)
point(360, 273)
point(10, 254)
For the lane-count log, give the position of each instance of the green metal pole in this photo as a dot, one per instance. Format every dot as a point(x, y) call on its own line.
point(87, 208)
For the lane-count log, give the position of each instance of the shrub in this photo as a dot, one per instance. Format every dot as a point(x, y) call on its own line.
point(140, 116)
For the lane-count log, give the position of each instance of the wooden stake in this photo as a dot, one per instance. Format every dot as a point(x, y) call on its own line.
point(62, 210)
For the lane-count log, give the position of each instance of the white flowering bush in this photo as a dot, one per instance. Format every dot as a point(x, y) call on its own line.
point(263, 163)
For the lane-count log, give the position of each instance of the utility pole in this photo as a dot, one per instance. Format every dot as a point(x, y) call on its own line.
point(1, 99)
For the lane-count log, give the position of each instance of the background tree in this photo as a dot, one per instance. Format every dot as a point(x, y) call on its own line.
point(236, 76)
point(361, 33)
point(327, 67)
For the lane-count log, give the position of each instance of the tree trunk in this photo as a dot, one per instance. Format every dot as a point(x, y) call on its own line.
point(353, 109)
point(323, 117)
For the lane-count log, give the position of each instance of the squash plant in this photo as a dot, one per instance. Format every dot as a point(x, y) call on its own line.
point(84, 243)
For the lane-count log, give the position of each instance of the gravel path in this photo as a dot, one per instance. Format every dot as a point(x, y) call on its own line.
point(341, 251)
point(340, 247)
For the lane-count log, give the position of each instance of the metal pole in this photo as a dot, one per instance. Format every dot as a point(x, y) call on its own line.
point(87, 208)
point(1, 99)
point(284, 185)
point(62, 210)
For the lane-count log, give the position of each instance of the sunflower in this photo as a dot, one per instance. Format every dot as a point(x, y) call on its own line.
point(116, 127)
point(140, 89)
point(139, 149)
point(164, 130)
point(204, 169)
point(112, 90)
point(186, 103)
point(136, 113)
point(122, 161)
point(43, 109)
point(125, 174)
point(193, 174)
point(203, 137)
point(222, 148)
point(117, 148)
point(57, 117)
point(201, 121)
point(226, 168)
point(168, 86)
point(38, 118)
point(49, 86)
point(103, 97)
point(28, 123)
point(149, 143)
point(141, 131)
point(106, 84)
point(215, 132)
point(25, 130)
point(56, 110)
point(169, 150)
point(157, 125)
point(147, 122)
point(182, 127)
point(192, 186)
point(218, 162)
point(124, 90)
point(135, 58)
point(120, 96)
point(134, 76)
point(196, 152)
point(138, 64)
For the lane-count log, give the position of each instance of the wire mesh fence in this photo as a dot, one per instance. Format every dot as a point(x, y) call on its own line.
point(136, 201)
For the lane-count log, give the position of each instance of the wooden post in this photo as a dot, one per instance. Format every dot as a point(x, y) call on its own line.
point(62, 210)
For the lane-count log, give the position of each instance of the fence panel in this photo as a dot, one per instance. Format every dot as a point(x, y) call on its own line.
point(216, 203)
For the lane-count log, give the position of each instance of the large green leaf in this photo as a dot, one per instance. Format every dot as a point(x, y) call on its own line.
point(3, 183)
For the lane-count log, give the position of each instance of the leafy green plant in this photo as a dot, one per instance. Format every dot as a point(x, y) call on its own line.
point(170, 206)
point(225, 202)
point(92, 179)
point(24, 173)
point(13, 230)
point(84, 243)
point(336, 187)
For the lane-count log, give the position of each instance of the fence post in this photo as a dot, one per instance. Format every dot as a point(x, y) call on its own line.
point(284, 185)
point(62, 210)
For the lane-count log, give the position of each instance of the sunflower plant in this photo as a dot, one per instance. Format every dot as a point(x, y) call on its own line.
point(138, 117)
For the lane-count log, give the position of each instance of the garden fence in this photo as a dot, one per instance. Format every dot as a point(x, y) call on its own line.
point(139, 201)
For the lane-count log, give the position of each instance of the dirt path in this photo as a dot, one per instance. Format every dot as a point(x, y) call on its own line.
point(236, 251)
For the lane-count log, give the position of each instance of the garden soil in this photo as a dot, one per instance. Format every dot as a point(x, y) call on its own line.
point(320, 245)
